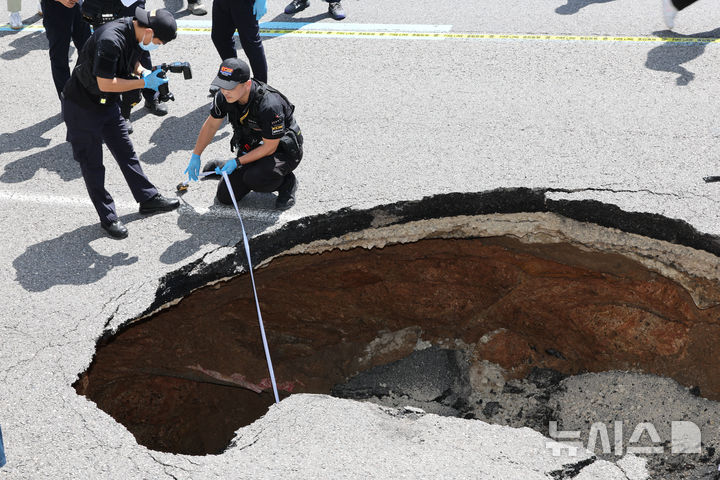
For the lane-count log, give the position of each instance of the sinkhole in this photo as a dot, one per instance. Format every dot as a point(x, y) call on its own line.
point(514, 293)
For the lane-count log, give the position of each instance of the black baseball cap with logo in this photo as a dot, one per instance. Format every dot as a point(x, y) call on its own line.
point(232, 73)
point(161, 21)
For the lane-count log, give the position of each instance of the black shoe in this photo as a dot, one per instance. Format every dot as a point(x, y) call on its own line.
point(297, 6)
point(156, 108)
point(336, 10)
point(286, 193)
point(116, 229)
point(197, 8)
point(213, 90)
point(158, 203)
point(211, 165)
point(128, 125)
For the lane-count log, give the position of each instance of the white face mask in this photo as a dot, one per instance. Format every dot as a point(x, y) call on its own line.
point(149, 47)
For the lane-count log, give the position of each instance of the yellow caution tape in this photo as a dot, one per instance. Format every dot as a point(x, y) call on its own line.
point(480, 36)
point(460, 36)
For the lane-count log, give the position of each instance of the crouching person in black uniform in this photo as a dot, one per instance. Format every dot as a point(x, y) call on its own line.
point(265, 133)
point(108, 65)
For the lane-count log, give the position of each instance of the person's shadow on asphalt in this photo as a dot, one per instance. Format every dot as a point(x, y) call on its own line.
point(172, 136)
point(204, 229)
point(58, 159)
point(293, 23)
point(574, 6)
point(670, 56)
point(29, 137)
point(69, 259)
point(24, 44)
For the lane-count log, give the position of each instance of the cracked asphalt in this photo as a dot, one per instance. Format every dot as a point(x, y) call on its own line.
point(628, 123)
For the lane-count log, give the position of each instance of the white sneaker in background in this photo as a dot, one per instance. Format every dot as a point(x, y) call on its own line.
point(197, 8)
point(15, 21)
point(669, 12)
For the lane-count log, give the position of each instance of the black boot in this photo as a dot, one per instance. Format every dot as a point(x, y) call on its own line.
point(286, 192)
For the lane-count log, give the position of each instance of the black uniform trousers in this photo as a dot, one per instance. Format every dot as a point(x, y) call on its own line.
point(63, 24)
point(682, 4)
point(147, 93)
point(231, 15)
point(87, 129)
point(264, 175)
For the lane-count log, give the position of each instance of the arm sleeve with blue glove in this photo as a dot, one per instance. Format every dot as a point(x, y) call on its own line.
point(152, 81)
point(193, 168)
point(259, 9)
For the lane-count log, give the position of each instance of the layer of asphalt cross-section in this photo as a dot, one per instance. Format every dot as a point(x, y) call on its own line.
point(384, 120)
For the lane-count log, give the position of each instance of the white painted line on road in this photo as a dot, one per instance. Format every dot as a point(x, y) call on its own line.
point(49, 199)
point(84, 203)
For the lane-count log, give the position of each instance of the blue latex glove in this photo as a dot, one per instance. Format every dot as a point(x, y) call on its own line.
point(228, 168)
point(152, 81)
point(259, 9)
point(193, 169)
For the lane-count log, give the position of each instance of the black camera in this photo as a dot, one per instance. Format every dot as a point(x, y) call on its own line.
point(175, 67)
point(99, 12)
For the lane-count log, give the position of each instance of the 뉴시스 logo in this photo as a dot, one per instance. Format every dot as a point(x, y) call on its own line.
point(685, 438)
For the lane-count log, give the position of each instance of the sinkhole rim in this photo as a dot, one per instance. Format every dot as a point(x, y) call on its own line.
point(321, 233)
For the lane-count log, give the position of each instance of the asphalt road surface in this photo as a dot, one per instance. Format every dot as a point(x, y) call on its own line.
point(402, 100)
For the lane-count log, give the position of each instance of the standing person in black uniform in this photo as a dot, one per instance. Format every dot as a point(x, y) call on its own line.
point(108, 65)
point(63, 22)
point(243, 16)
point(265, 133)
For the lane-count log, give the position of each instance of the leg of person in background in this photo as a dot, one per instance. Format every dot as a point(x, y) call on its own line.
point(223, 29)
point(249, 32)
point(335, 9)
point(61, 25)
point(15, 21)
point(196, 7)
point(672, 7)
point(129, 99)
point(150, 95)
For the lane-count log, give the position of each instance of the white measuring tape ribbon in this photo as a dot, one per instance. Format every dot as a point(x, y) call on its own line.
point(252, 278)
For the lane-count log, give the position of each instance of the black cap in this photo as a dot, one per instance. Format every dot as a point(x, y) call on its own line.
point(232, 73)
point(161, 21)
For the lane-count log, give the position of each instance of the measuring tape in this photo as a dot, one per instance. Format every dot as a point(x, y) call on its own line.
point(252, 278)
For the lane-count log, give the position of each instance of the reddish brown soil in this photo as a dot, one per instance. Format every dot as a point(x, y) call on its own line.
point(549, 306)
